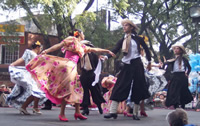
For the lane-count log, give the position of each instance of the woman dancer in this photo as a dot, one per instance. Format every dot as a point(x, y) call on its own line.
point(25, 91)
point(178, 92)
point(57, 76)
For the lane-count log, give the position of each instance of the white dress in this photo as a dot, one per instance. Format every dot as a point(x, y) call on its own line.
point(25, 85)
point(155, 79)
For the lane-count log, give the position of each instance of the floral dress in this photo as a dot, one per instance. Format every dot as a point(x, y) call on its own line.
point(25, 85)
point(109, 86)
point(57, 76)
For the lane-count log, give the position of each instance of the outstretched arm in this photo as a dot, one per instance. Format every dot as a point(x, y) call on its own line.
point(99, 50)
point(17, 62)
point(53, 48)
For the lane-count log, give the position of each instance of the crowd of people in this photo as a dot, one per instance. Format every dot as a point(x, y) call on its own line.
point(139, 81)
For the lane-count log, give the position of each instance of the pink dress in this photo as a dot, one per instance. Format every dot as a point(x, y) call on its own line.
point(109, 82)
point(57, 76)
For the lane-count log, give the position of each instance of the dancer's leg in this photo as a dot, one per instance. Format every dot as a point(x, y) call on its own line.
point(27, 102)
point(62, 108)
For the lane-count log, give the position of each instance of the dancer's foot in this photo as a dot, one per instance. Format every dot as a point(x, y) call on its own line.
point(127, 114)
point(143, 113)
point(24, 111)
point(135, 117)
point(100, 109)
point(85, 111)
point(37, 111)
point(63, 118)
point(79, 116)
point(111, 115)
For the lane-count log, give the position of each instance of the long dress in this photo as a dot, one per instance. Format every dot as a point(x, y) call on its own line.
point(57, 76)
point(25, 85)
point(155, 79)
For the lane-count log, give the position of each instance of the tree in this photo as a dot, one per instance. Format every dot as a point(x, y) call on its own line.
point(57, 12)
point(161, 21)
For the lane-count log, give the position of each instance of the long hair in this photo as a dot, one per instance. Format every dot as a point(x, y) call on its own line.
point(133, 31)
point(180, 58)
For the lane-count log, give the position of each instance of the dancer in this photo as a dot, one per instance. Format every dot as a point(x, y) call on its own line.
point(132, 71)
point(89, 64)
point(58, 76)
point(25, 90)
point(178, 92)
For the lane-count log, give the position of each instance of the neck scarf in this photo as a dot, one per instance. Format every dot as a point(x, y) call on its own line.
point(126, 44)
point(85, 63)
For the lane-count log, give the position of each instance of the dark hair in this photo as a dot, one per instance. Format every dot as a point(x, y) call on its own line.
point(36, 44)
point(133, 31)
point(72, 33)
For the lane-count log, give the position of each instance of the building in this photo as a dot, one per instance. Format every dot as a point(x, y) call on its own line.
point(27, 34)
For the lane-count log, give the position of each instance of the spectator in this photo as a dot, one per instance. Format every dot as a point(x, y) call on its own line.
point(4, 91)
point(178, 117)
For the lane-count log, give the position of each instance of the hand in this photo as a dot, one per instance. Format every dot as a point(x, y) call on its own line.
point(11, 65)
point(111, 53)
point(186, 74)
point(44, 52)
point(149, 67)
point(103, 58)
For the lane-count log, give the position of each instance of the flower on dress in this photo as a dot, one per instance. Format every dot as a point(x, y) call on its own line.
point(77, 90)
point(64, 90)
point(35, 59)
point(55, 63)
point(43, 63)
point(53, 78)
point(47, 58)
point(51, 86)
point(64, 70)
point(48, 73)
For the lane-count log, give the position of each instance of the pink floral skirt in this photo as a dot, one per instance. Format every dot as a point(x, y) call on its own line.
point(106, 106)
point(57, 77)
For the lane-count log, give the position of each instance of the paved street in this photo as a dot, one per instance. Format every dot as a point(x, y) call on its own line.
point(11, 117)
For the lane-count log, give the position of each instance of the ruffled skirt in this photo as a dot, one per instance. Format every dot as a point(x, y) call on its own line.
point(57, 77)
point(25, 86)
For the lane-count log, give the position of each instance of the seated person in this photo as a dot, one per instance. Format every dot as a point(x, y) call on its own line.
point(4, 92)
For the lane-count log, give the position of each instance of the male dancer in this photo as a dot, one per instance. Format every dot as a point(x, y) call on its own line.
point(132, 71)
point(88, 66)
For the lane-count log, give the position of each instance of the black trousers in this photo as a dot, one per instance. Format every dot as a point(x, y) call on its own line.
point(133, 72)
point(86, 78)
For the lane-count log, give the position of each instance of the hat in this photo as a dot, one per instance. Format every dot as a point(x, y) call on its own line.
point(129, 22)
point(3, 85)
point(180, 46)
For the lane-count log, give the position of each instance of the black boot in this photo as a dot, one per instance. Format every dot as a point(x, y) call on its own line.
point(111, 115)
point(100, 109)
point(135, 117)
point(85, 111)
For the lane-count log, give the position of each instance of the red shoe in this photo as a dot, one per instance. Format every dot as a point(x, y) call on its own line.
point(128, 114)
point(143, 114)
point(79, 116)
point(63, 119)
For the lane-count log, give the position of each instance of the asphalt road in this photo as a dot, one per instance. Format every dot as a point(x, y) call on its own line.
point(156, 117)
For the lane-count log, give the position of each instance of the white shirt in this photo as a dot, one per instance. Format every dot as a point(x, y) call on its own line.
point(132, 52)
point(28, 56)
point(176, 66)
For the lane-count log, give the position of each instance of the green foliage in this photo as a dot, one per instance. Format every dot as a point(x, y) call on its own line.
point(10, 36)
point(165, 22)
